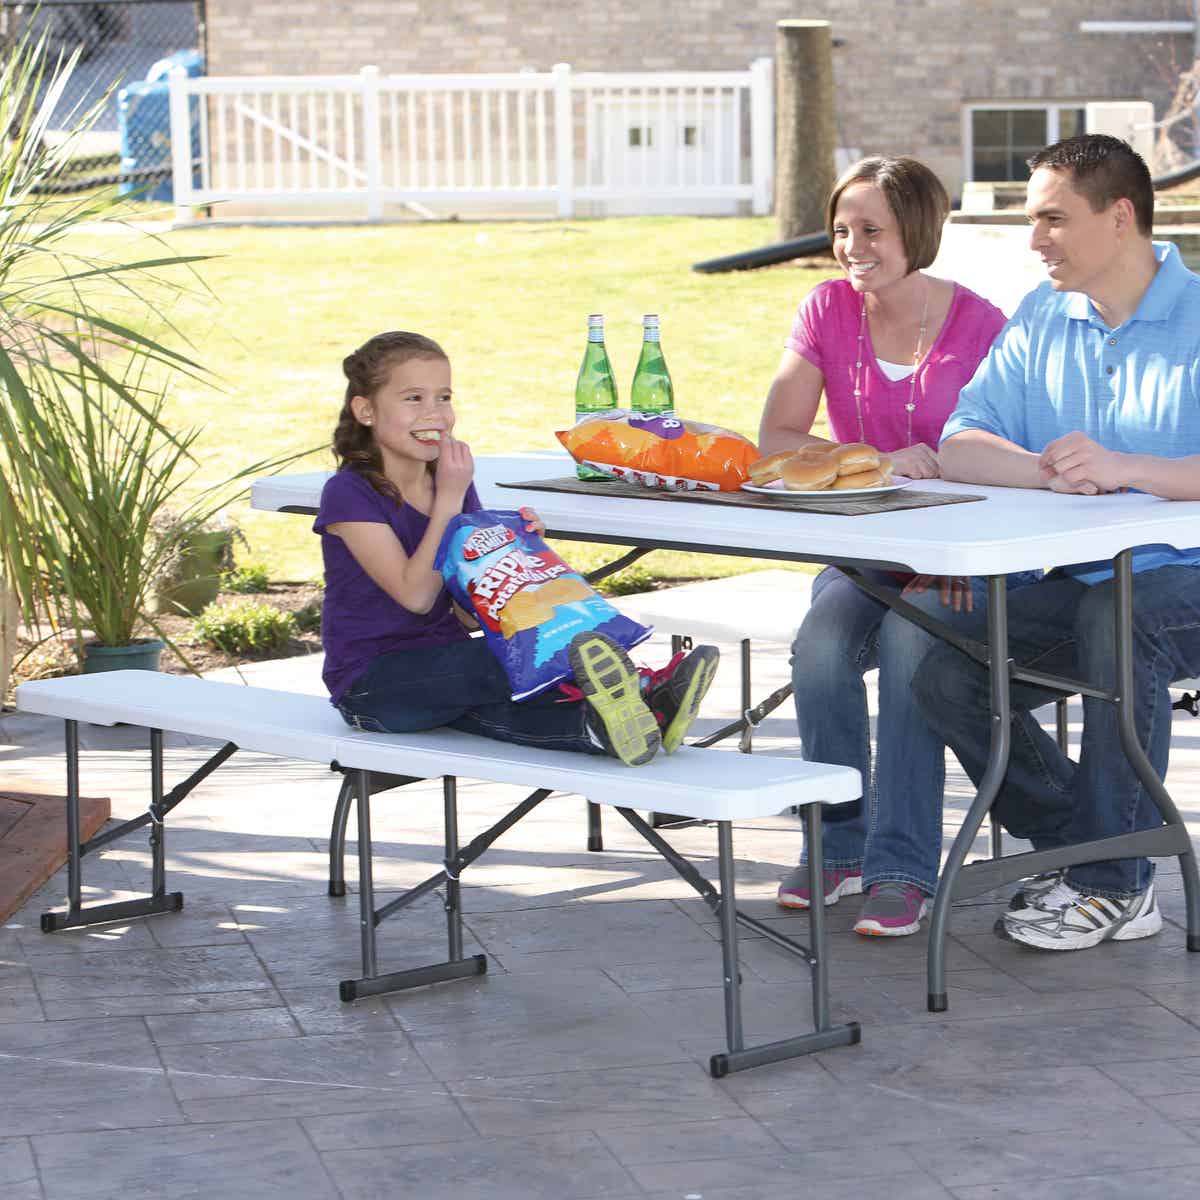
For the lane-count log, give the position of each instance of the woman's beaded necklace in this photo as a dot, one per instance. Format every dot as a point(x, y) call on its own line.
point(911, 405)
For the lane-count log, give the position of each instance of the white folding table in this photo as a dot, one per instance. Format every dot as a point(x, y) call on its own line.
point(1010, 530)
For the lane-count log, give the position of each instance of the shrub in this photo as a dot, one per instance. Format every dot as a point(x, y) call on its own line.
point(245, 627)
point(253, 577)
point(308, 618)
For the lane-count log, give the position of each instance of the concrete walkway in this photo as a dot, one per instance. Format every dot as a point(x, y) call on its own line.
point(206, 1054)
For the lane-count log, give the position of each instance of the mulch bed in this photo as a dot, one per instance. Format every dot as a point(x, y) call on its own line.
point(55, 658)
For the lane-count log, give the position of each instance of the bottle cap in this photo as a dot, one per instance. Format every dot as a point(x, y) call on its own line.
point(595, 319)
point(650, 319)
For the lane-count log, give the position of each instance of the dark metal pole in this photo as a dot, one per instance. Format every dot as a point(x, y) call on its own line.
point(366, 885)
point(989, 786)
point(1127, 729)
point(454, 937)
point(729, 954)
point(74, 863)
point(157, 832)
point(816, 917)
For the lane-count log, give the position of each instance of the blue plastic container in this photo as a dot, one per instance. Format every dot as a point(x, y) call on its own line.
point(144, 127)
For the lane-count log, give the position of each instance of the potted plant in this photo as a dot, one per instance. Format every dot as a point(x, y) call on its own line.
point(86, 461)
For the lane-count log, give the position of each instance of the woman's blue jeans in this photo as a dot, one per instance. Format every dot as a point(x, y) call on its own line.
point(895, 832)
point(1064, 627)
point(463, 686)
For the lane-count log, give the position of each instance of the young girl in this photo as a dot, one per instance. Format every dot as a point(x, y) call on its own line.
point(398, 657)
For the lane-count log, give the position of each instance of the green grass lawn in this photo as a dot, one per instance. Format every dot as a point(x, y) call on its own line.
point(508, 301)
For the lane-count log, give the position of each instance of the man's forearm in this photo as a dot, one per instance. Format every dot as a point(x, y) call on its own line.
point(1170, 478)
point(974, 456)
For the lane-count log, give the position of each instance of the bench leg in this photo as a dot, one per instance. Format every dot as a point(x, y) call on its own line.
point(825, 1035)
point(372, 983)
point(337, 837)
point(95, 914)
point(595, 832)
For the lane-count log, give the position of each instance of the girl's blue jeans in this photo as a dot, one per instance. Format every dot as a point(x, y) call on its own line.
point(463, 686)
point(895, 831)
point(1064, 627)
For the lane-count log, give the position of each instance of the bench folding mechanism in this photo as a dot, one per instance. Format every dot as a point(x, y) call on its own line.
point(709, 785)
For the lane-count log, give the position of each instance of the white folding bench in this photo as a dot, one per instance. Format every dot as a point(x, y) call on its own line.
point(710, 785)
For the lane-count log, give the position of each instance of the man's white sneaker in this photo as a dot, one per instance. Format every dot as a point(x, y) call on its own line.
point(1067, 919)
point(1034, 888)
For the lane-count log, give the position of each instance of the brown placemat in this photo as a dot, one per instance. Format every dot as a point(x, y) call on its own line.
point(850, 506)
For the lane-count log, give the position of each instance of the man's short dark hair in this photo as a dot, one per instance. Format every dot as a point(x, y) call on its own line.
point(1103, 169)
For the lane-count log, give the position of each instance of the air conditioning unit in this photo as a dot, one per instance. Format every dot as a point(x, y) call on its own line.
point(1132, 120)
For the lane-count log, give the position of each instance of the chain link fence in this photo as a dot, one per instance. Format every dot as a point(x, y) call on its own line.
point(120, 41)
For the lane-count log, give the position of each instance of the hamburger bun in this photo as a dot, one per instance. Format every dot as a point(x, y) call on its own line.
point(766, 470)
point(885, 467)
point(854, 457)
point(862, 479)
point(808, 472)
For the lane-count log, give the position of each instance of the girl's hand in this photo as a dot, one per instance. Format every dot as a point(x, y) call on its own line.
point(533, 523)
point(454, 471)
point(915, 462)
point(954, 590)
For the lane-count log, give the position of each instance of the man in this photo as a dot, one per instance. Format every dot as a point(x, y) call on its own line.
point(1093, 386)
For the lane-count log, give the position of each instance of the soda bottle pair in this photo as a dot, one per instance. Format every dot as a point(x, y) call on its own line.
point(596, 390)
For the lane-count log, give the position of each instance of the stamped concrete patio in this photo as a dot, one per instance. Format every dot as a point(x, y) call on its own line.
point(206, 1054)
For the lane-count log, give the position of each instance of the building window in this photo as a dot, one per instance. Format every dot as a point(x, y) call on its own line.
point(641, 135)
point(691, 135)
point(1000, 138)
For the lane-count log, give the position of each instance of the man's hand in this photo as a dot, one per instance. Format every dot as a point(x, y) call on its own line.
point(953, 590)
point(1075, 464)
point(915, 462)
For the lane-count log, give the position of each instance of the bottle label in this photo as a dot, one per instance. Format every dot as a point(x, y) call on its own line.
point(666, 427)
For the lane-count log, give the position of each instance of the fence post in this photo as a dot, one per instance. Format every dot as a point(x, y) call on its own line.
point(762, 135)
point(181, 145)
point(564, 140)
point(372, 142)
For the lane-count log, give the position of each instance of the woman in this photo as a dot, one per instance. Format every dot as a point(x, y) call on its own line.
point(890, 347)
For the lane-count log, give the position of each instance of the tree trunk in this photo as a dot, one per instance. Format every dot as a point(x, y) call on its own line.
point(804, 126)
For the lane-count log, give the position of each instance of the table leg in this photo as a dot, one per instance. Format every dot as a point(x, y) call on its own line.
point(989, 786)
point(1123, 641)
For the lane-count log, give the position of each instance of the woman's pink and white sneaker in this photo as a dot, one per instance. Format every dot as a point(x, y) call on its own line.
point(793, 891)
point(892, 909)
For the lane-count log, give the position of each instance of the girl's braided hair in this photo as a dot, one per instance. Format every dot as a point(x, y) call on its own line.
point(366, 371)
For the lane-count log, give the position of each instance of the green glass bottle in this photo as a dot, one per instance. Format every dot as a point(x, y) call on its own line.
point(652, 392)
point(595, 389)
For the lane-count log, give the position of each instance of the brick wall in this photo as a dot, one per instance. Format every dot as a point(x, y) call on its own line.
point(903, 74)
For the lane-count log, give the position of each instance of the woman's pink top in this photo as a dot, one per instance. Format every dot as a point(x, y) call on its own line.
point(826, 333)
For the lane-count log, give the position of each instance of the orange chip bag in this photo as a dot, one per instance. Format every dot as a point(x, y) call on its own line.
point(661, 451)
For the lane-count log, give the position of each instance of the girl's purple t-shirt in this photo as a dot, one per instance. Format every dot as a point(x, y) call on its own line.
point(826, 333)
point(359, 620)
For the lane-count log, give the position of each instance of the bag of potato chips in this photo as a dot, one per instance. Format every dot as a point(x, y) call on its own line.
point(661, 451)
point(528, 602)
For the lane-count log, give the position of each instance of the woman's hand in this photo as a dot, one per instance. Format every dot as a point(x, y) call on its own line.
point(915, 462)
point(954, 590)
point(533, 523)
point(454, 471)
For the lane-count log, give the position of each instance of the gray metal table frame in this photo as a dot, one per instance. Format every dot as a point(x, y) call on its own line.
point(959, 879)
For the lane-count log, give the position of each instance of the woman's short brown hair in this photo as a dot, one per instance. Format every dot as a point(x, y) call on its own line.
point(915, 197)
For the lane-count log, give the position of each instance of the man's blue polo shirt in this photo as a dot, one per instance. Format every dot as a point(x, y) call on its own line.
point(1056, 367)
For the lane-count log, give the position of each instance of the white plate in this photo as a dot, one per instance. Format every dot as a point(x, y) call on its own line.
point(777, 489)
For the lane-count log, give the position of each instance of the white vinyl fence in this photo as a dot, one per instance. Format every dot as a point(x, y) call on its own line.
point(678, 141)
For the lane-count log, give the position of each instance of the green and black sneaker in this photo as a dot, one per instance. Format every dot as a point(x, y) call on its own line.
point(675, 693)
point(618, 716)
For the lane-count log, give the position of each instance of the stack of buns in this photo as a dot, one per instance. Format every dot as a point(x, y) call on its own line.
point(818, 468)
